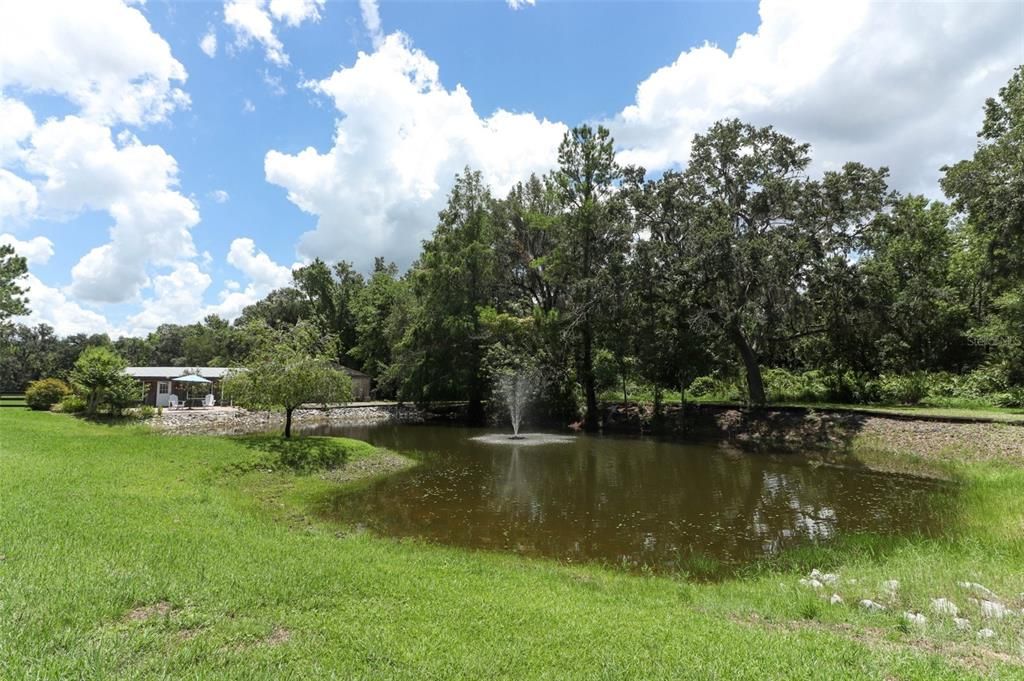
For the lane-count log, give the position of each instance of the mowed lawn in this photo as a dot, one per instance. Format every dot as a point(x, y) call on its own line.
point(129, 554)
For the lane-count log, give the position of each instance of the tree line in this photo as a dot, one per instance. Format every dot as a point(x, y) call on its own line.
point(600, 279)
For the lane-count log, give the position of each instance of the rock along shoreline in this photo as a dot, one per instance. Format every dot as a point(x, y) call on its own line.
point(238, 421)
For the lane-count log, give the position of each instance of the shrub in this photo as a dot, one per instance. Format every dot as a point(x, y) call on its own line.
point(718, 389)
point(702, 386)
point(1012, 398)
point(980, 383)
point(908, 389)
point(850, 388)
point(123, 392)
point(43, 394)
point(784, 386)
point(146, 412)
point(72, 404)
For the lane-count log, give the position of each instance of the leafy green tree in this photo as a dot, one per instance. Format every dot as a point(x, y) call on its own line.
point(989, 189)
point(168, 345)
point(528, 225)
point(331, 293)
point(29, 353)
point(284, 375)
point(755, 238)
point(12, 268)
point(372, 308)
point(99, 376)
point(593, 235)
point(441, 352)
point(281, 309)
point(920, 317)
point(531, 294)
point(136, 351)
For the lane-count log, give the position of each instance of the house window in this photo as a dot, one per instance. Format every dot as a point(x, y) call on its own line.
point(163, 388)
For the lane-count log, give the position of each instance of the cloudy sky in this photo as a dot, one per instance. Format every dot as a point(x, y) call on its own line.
point(162, 161)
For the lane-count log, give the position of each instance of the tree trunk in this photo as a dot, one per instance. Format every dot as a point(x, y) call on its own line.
point(590, 420)
point(754, 383)
point(288, 421)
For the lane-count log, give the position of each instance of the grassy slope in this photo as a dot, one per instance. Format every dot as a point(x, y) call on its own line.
point(96, 522)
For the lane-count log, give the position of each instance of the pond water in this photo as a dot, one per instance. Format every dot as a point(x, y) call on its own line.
point(629, 502)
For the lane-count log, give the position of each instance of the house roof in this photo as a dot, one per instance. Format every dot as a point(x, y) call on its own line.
point(206, 372)
point(174, 372)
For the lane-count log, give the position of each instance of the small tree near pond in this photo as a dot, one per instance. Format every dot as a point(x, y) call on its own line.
point(99, 377)
point(283, 376)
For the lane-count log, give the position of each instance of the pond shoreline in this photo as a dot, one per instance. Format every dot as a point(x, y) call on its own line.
point(769, 429)
point(238, 421)
point(802, 429)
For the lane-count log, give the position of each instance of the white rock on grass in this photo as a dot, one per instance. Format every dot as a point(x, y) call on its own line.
point(986, 633)
point(977, 588)
point(813, 583)
point(962, 623)
point(915, 618)
point(869, 604)
point(993, 610)
point(836, 599)
point(824, 577)
point(944, 606)
point(892, 585)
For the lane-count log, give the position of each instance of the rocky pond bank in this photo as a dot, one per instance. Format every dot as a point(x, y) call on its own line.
point(238, 421)
point(801, 429)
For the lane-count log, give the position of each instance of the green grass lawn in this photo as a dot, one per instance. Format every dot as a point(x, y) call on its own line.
point(129, 554)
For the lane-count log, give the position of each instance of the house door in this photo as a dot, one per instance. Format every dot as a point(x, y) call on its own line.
point(163, 393)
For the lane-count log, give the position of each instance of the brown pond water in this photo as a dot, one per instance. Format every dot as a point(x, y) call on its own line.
point(629, 502)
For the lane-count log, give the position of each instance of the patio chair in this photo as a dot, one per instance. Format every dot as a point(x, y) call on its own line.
point(172, 401)
point(209, 401)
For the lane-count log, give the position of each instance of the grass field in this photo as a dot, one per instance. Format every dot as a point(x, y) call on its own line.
point(128, 554)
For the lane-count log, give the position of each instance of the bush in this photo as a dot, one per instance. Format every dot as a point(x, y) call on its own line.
point(849, 387)
point(980, 383)
point(123, 392)
point(44, 393)
point(72, 404)
point(1011, 399)
point(146, 412)
point(702, 386)
point(718, 389)
point(784, 386)
point(909, 389)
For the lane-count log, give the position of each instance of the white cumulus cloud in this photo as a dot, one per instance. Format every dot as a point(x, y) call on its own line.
point(37, 250)
point(48, 305)
point(82, 168)
point(401, 140)
point(254, 20)
point(519, 4)
point(102, 55)
point(371, 19)
point(208, 44)
point(294, 12)
point(897, 84)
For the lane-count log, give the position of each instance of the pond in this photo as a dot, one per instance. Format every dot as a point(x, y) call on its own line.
point(630, 502)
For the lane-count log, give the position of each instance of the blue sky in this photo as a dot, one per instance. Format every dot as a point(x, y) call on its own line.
point(150, 180)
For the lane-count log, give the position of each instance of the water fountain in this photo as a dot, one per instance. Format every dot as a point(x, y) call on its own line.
point(517, 388)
